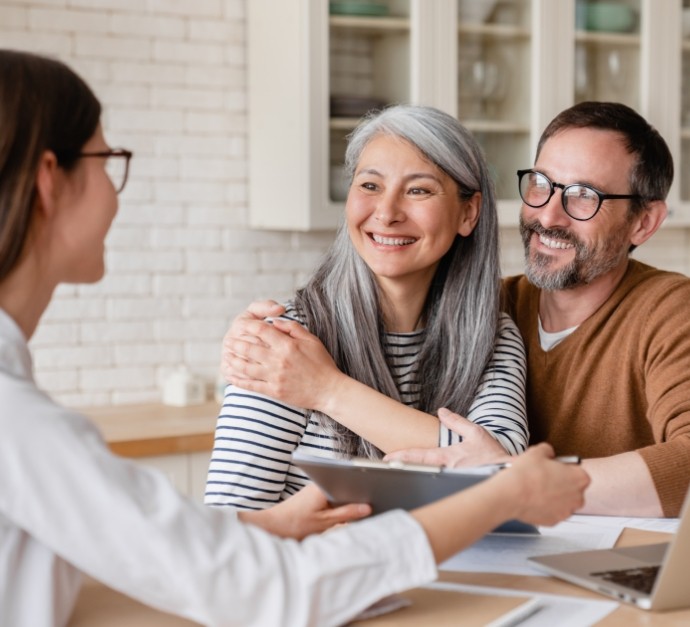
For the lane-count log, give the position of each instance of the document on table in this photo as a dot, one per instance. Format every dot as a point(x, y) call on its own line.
point(666, 525)
point(508, 553)
point(542, 610)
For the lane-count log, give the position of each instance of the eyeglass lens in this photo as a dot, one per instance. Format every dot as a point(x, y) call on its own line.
point(116, 167)
point(579, 201)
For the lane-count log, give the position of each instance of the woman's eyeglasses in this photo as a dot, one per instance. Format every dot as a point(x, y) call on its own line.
point(117, 164)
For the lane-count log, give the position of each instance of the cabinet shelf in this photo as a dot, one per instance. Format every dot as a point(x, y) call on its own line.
point(609, 39)
point(372, 25)
point(343, 124)
point(497, 31)
point(494, 126)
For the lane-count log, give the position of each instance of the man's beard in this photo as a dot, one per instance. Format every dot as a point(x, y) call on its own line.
point(589, 262)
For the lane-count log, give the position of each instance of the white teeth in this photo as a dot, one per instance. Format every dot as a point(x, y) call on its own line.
point(392, 241)
point(552, 243)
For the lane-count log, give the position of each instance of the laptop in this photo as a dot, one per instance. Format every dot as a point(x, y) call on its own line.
point(651, 576)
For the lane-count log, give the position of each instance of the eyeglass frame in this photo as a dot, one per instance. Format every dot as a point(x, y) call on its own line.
point(106, 154)
point(602, 197)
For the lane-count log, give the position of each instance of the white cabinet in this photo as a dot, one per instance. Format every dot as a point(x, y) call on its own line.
point(505, 74)
point(186, 471)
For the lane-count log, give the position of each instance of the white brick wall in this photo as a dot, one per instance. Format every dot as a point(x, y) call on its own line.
point(172, 77)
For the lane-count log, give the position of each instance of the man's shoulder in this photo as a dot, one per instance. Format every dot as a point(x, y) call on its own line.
point(516, 289)
point(515, 282)
point(645, 281)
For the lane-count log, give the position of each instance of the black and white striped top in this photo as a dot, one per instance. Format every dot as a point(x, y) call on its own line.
point(256, 435)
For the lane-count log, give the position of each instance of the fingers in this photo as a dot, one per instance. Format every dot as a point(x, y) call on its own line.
point(425, 456)
point(260, 309)
point(543, 449)
point(292, 328)
point(346, 513)
point(455, 422)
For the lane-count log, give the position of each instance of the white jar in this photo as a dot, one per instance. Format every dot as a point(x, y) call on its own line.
point(182, 388)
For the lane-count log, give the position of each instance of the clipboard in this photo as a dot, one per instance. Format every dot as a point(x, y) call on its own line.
point(394, 485)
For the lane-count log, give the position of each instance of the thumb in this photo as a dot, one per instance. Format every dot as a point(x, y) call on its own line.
point(455, 422)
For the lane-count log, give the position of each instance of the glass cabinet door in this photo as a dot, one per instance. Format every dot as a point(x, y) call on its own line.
point(607, 51)
point(369, 68)
point(494, 83)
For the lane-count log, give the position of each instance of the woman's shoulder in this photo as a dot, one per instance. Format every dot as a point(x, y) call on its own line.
point(508, 335)
point(294, 312)
point(506, 325)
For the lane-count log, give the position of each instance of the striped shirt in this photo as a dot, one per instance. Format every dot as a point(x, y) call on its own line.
point(251, 465)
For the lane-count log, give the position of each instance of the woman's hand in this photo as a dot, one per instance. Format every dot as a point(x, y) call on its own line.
point(303, 514)
point(478, 446)
point(280, 359)
point(536, 489)
point(547, 490)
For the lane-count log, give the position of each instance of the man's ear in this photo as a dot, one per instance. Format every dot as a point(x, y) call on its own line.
point(648, 222)
point(48, 183)
point(470, 215)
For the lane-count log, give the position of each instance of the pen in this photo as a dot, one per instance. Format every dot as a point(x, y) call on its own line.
point(564, 459)
point(519, 615)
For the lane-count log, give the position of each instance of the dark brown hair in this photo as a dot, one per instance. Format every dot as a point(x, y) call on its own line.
point(652, 173)
point(44, 105)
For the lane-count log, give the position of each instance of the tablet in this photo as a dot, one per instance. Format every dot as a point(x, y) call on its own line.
point(394, 485)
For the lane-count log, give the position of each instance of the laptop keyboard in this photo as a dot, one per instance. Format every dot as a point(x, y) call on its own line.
point(641, 579)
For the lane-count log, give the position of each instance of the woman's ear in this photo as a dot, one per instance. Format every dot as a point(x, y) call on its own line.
point(470, 214)
point(48, 183)
point(648, 222)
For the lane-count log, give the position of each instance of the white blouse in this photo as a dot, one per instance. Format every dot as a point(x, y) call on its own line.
point(67, 505)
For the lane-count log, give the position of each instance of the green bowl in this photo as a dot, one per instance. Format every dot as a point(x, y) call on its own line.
point(357, 8)
point(610, 17)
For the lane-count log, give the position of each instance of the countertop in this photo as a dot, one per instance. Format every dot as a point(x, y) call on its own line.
point(151, 429)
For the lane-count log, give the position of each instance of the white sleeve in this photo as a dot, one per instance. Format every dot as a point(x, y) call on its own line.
point(127, 527)
point(500, 404)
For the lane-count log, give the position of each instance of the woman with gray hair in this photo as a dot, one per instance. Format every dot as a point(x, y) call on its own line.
point(400, 320)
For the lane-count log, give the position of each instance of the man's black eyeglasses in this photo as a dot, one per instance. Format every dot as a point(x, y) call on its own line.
point(580, 202)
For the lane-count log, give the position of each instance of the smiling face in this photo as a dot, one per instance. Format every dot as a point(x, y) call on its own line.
point(403, 213)
point(562, 253)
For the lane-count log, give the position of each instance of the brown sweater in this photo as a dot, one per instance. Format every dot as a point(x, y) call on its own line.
point(621, 381)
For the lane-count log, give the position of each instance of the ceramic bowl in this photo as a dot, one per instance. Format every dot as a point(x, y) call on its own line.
point(610, 17)
point(475, 11)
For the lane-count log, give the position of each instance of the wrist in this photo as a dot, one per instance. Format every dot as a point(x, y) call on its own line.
point(263, 518)
point(509, 492)
point(333, 396)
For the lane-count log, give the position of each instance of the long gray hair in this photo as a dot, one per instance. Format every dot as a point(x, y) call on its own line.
point(342, 303)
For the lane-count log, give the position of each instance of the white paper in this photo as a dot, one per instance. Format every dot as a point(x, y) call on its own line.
point(508, 553)
point(667, 525)
point(552, 609)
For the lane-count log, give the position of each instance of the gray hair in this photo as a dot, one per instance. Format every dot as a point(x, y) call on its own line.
point(342, 303)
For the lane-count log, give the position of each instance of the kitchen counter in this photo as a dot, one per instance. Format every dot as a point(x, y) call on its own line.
point(153, 429)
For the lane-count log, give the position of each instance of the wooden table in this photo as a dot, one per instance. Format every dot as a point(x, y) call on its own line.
point(155, 429)
point(100, 606)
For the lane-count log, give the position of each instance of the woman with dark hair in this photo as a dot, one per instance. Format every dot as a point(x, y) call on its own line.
point(68, 505)
point(402, 317)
